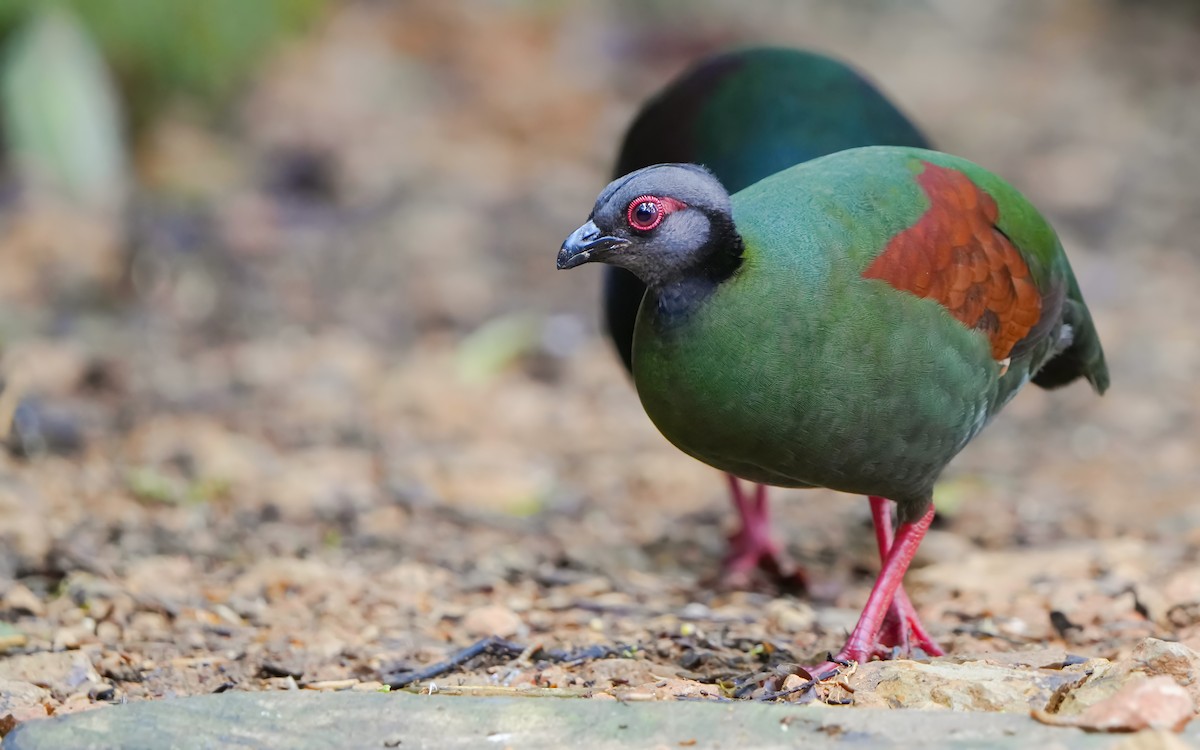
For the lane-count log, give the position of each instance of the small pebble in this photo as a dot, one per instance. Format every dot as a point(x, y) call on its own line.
point(492, 620)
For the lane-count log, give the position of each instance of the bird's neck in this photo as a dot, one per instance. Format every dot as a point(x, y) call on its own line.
point(677, 295)
point(722, 254)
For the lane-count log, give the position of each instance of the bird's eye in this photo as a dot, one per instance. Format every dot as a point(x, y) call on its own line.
point(645, 213)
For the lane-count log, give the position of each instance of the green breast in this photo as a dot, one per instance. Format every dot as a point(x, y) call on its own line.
point(798, 372)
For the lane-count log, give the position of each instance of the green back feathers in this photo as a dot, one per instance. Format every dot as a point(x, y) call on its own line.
point(836, 212)
point(803, 369)
point(833, 216)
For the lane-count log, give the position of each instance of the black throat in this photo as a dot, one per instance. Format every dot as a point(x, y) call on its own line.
point(718, 260)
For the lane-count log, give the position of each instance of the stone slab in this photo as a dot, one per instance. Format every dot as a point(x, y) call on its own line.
point(313, 720)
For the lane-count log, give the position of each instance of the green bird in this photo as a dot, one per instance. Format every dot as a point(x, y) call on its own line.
point(747, 114)
point(851, 322)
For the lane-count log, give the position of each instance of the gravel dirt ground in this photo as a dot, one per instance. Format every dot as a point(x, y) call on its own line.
point(318, 410)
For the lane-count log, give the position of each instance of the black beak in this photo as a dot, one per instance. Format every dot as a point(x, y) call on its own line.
point(587, 244)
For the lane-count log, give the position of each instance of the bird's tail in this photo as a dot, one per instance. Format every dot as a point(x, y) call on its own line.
point(1083, 357)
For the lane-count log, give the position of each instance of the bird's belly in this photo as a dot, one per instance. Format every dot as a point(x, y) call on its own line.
point(863, 403)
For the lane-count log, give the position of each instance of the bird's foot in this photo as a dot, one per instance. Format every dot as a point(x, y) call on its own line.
point(748, 557)
point(902, 630)
point(886, 601)
point(752, 547)
point(842, 664)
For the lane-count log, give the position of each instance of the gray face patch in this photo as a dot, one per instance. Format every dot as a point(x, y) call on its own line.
point(667, 251)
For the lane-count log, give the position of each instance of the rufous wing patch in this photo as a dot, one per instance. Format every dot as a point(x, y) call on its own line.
point(955, 254)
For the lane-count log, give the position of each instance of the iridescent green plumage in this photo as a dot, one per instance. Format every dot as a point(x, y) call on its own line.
point(745, 115)
point(797, 371)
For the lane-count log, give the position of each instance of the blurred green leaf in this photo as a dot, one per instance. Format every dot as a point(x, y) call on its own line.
point(332, 539)
point(11, 637)
point(950, 494)
point(208, 489)
point(166, 49)
point(62, 116)
point(152, 486)
point(496, 345)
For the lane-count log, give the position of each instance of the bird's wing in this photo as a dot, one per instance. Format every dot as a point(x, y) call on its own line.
point(957, 255)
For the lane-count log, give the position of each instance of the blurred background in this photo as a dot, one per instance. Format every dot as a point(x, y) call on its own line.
point(284, 351)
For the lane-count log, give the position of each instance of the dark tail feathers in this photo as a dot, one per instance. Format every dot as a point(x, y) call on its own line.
point(1084, 357)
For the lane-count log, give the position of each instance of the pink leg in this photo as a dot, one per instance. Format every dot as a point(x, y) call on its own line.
point(863, 640)
point(902, 627)
point(752, 545)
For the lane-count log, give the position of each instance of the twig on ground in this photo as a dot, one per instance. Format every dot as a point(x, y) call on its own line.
point(491, 645)
point(496, 646)
point(844, 668)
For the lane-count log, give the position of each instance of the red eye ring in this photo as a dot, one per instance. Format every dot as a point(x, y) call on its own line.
point(645, 212)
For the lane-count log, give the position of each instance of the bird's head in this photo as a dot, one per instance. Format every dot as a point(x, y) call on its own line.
point(660, 222)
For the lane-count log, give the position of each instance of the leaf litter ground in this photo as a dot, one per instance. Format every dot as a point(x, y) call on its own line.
point(325, 439)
